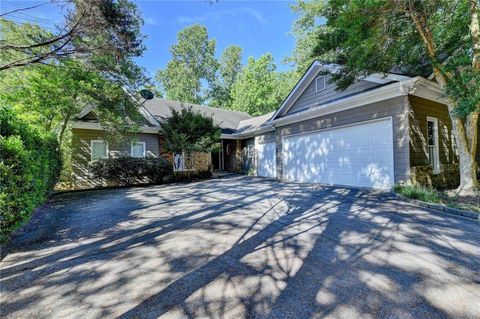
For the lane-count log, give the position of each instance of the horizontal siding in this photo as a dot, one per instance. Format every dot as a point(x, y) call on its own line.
point(395, 108)
point(419, 110)
point(265, 137)
point(311, 98)
point(81, 139)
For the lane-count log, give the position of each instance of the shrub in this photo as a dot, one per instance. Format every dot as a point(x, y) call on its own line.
point(30, 163)
point(197, 174)
point(124, 171)
point(423, 193)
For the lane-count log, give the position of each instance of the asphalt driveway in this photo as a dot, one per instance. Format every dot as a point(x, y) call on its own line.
point(241, 247)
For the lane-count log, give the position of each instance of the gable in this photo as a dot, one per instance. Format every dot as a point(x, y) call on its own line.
point(90, 116)
point(311, 98)
point(303, 99)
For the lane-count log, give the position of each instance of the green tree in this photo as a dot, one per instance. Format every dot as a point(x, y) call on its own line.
point(259, 89)
point(439, 37)
point(105, 33)
point(193, 65)
point(189, 133)
point(284, 83)
point(230, 65)
point(305, 29)
point(50, 95)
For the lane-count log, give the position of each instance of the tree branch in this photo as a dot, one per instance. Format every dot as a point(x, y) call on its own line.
point(67, 37)
point(475, 32)
point(38, 58)
point(23, 9)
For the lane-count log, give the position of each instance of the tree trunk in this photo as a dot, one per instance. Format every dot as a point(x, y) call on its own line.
point(48, 125)
point(463, 135)
point(63, 128)
point(467, 164)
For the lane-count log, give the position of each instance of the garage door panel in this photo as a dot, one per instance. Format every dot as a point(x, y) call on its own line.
point(266, 159)
point(359, 155)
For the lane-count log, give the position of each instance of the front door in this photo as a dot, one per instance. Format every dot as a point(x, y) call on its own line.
point(216, 161)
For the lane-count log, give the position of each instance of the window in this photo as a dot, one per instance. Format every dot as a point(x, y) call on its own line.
point(320, 84)
point(179, 162)
point(432, 144)
point(250, 151)
point(98, 149)
point(137, 149)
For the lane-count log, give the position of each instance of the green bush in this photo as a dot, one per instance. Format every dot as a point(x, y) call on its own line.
point(183, 176)
point(124, 171)
point(30, 163)
point(423, 193)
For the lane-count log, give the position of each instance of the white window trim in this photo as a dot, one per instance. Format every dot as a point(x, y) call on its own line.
point(250, 151)
point(316, 83)
point(183, 158)
point(91, 148)
point(436, 166)
point(144, 154)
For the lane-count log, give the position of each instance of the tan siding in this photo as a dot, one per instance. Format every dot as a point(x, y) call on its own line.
point(81, 151)
point(311, 98)
point(419, 110)
point(395, 108)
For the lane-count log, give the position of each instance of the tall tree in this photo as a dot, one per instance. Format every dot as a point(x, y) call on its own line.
point(254, 91)
point(284, 83)
point(441, 37)
point(193, 64)
point(51, 95)
point(102, 32)
point(230, 65)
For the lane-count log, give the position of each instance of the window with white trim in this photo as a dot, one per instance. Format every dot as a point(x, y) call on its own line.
point(250, 151)
point(432, 144)
point(320, 83)
point(138, 149)
point(98, 149)
point(178, 162)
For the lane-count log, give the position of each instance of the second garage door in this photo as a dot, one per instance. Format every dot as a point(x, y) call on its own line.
point(266, 159)
point(356, 155)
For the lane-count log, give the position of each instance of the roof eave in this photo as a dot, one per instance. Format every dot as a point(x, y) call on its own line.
point(417, 86)
point(98, 127)
point(309, 75)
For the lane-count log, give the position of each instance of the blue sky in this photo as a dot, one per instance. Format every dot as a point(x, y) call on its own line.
point(257, 26)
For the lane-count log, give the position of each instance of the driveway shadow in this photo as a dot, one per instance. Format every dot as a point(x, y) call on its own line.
point(242, 247)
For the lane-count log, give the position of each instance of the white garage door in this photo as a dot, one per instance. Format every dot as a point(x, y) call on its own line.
point(266, 159)
point(357, 155)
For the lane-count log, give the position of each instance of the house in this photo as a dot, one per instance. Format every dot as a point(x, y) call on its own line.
point(382, 130)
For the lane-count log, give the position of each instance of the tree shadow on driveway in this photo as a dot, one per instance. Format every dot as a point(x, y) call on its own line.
point(246, 248)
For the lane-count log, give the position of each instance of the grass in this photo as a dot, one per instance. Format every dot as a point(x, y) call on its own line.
point(431, 195)
point(423, 193)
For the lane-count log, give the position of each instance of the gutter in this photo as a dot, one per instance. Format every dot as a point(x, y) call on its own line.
point(97, 127)
point(252, 133)
point(417, 86)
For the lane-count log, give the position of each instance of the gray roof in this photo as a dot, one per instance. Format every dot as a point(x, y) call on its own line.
point(253, 123)
point(227, 120)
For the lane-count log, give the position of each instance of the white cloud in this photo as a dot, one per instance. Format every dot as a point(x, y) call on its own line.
point(221, 14)
point(150, 21)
